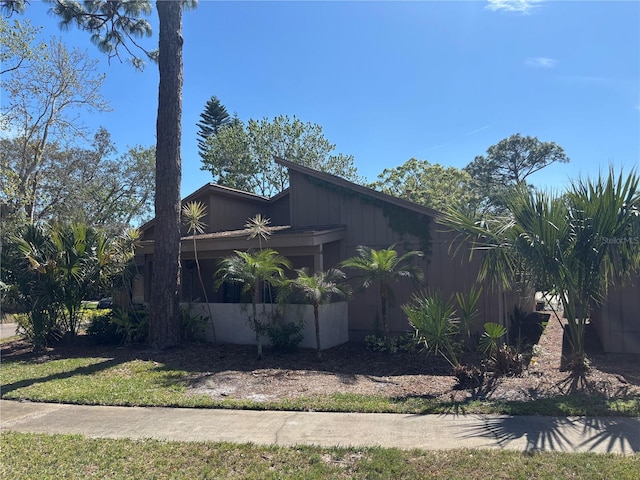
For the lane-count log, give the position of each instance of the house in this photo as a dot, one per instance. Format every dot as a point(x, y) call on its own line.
point(316, 223)
point(617, 320)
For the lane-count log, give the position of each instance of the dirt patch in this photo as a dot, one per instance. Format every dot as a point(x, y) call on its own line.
point(353, 369)
point(234, 372)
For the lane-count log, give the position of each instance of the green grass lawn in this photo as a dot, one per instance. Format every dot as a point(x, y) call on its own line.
point(30, 456)
point(110, 381)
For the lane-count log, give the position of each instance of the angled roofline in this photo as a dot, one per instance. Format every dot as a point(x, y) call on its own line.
point(335, 180)
point(234, 192)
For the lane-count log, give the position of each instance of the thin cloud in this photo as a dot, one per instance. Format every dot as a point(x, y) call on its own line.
point(478, 130)
point(514, 6)
point(541, 62)
point(433, 147)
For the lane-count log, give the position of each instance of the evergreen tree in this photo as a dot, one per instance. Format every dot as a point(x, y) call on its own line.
point(213, 117)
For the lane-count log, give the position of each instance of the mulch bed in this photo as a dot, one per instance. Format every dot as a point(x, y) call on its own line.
point(231, 371)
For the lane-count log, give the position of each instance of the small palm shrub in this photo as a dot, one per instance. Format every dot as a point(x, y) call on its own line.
point(39, 327)
point(501, 359)
point(468, 312)
point(383, 268)
point(435, 325)
point(493, 332)
point(133, 324)
point(193, 325)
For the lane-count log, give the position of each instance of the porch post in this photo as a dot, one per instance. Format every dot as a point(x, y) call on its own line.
point(318, 261)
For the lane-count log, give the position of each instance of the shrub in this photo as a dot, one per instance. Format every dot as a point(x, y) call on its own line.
point(468, 376)
point(103, 331)
point(193, 325)
point(507, 361)
point(502, 360)
point(489, 339)
point(39, 327)
point(436, 326)
point(285, 336)
point(407, 342)
point(133, 324)
point(376, 343)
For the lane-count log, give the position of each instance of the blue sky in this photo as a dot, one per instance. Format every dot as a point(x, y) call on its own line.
point(440, 81)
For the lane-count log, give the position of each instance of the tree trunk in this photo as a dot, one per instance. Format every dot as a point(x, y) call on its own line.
point(316, 316)
point(164, 322)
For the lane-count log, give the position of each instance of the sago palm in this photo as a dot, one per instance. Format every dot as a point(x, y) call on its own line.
point(318, 289)
point(383, 268)
point(253, 270)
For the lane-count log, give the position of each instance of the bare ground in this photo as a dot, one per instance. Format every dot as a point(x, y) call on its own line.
point(234, 372)
point(352, 368)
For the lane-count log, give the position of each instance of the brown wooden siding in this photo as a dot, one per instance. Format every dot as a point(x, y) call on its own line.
point(231, 213)
point(278, 211)
point(618, 320)
point(313, 204)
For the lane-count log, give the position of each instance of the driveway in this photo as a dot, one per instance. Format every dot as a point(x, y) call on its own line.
point(7, 330)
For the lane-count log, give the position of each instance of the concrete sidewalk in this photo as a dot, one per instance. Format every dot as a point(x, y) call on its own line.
point(431, 432)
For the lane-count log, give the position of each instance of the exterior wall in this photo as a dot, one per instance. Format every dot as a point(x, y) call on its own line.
point(228, 212)
point(224, 212)
point(312, 204)
point(278, 210)
point(232, 323)
point(618, 320)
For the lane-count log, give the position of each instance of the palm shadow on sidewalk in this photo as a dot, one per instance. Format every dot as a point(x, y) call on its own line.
point(539, 433)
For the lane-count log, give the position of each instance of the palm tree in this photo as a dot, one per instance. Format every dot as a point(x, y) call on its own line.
point(258, 226)
point(33, 276)
point(192, 215)
point(318, 289)
point(253, 270)
point(64, 265)
point(577, 244)
point(383, 267)
point(81, 253)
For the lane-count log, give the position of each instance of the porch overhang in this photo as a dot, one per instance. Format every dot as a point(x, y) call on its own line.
point(286, 240)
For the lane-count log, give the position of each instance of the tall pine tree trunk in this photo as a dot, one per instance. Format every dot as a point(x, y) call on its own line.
point(164, 323)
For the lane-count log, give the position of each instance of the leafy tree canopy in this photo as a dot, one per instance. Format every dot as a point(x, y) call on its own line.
point(47, 87)
point(17, 45)
point(428, 184)
point(241, 156)
point(90, 184)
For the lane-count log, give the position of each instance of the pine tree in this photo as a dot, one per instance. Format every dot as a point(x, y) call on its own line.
point(213, 117)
